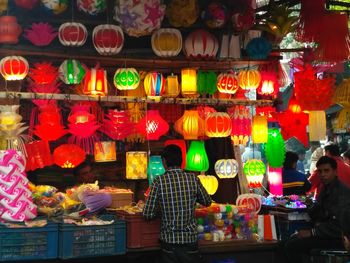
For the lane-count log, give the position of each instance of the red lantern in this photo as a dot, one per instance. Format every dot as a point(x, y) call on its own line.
point(182, 146)
point(241, 124)
point(43, 73)
point(14, 67)
point(201, 44)
point(38, 155)
point(10, 30)
point(268, 86)
point(117, 125)
point(68, 155)
point(252, 201)
point(108, 39)
point(169, 112)
point(218, 124)
point(153, 125)
point(26, 4)
point(72, 34)
point(227, 83)
point(95, 82)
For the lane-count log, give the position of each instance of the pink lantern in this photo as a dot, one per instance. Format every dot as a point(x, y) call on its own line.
point(117, 125)
point(10, 30)
point(153, 125)
point(182, 146)
point(108, 39)
point(275, 180)
point(72, 34)
point(241, 124)
point(201, 44)
point(40, 34)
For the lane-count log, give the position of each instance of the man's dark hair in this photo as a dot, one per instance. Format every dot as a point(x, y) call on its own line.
point(172, 155)
point(77, 169)
point(290, 160)
point(333, 149)
point(327, 160)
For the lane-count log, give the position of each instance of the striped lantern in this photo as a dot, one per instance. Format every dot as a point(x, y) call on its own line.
point(201, 44)
point(227, 83)
point(108, 39)
point(249, 79)
point(14, 67)
point(95, 82)
point(126, 79)
point(72, 34)
point(218, 124)
point(190, 125)
point(154, 84)
point(71, 71)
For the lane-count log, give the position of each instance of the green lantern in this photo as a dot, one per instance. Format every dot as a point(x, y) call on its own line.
point(71, 71)
point(196, 158)
point(275, 150)
point(126, 79)
point(206, 82)
point(155, 168)
point(254, 170)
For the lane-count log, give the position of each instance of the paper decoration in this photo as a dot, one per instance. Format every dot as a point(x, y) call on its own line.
point(155, 168)
point(227, 83)
point(71, 72)
point(196, 158)
point(274, 176)
point(10, 30)
point(54, 6)
point(117, 125)
point(226, 168)
point(254, 170)
point(14, 67)
point(108, 39)
point(241, 124)
point(43, 73)
point(95, 82)
point(126, 79)
point(38, 155)
point(189, 83)
point(166, 42)
point(210, 183)
point(72, 34)
point(275, 150)
point(105, 151)
point(206, 82)
point(215, 15)
point(218, 124)
point(182, 13)
point(68, 155)
point(201, 44)
point(92, 7)
point(154, 84)
point(153, 126)
point(190, 125)
point(40, 34)
point(267, 227)
point(252, 201)
point(136, 165)
point(172, 89)
point(259, 48)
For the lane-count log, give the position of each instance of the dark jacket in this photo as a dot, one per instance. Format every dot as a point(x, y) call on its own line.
point(294, 182)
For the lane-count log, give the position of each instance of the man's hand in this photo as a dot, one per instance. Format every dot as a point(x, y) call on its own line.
point(304, 233)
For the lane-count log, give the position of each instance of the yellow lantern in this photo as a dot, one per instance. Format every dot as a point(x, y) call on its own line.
point(317, 125)
point(136, 165)
point(105, 151)
point(209, 182)
point(249, 79)
point(259, 131)
point(189, 83)
point(190, 125)
point(172, 89)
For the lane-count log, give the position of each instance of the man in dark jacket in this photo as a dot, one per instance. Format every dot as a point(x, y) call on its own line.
point(325, 214)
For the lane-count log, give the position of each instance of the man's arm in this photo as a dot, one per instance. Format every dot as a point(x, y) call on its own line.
point(149, 210)
point(202, 195)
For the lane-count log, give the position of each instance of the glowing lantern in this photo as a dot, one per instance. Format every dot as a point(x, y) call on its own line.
point(182, 145)
point(10, 30)
point(71, 71)
point(196, 158)
point(108, 39)
point(218, 124)
point(317, 125)
point(226, 168)
point(342, 92)
point(275, 150)
point(189, 83)
point(72, 34)
point(68, 155)
point(95, 82)
point(155, 168)
point(201, 44)
point(38, 155)
point(252, 201)
point(105, 151)
point(274, 176)
point(43, 73)
point(154, 84)
point(117, 125)
point(268, 85)
point(241, 124)
point(190, 125)
point(206, 82)
point(209, 182)
point(166, 42)
point(136, 165)
point(293, 106)
point(14, 67)
point(153, 125)
point(172, 89)
point(259, 131)
point(126, 79)
point(254, 171)
point(249, 79)
point(227, 83)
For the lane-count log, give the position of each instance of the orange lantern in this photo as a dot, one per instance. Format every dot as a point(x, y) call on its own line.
point(249, 79)
point(189, 83)
point(105, 151)
point(14, 67)
point(259, 131)
point(227, 83)
point(172, 89)
point(95, 82)
point(218, 124)
point(68, 155)
point(190, 125)
point(136, 165)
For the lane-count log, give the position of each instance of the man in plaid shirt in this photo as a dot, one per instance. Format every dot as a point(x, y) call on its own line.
point(173, 196)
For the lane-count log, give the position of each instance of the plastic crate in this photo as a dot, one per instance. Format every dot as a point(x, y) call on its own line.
point(140, 233)
point(29, 243)
point(92, 241)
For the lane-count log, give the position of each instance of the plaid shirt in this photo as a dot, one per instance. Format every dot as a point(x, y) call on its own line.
point(174, 195)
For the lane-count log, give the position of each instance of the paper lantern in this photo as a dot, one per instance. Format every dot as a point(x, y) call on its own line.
point(182, 145)
point(275, 150)
point(71, 72)
point(227, 83)
point(72, 34)
point(254, 170)
point(43, 73)
point(201, 44)
point(105, 151)
point(56, 7)
point(14, 67)
point(190, 125)
point(226, 168)
point(218, 124)
point(196, 158)
point(189, 83)
point(154, 85)
point(38, 155)
point(92, 7)
point(155, 168)
point(117, 125)
point(26, 4)
point(10, 30)
point(259, 130)
point(136, 165)
point(317, 126)
point(206, 82)
point(126, 79)
point(274, 176)
point(251, 201)
point(40, 34)
point(210, 183)
point(215, 15)
point(153, 126)
point(108, 39)
point(342, 93)
point(241, 124)
point(166, 42)
point(68, 155)
point(249, 79)
point(95, 82)
point(182, 14)
point(172, 88)
point(268, 85)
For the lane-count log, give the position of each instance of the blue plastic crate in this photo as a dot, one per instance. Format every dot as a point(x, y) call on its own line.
point(29, 243)
point(92, 241)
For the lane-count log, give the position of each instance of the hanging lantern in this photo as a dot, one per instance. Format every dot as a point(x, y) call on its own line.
point(218, 124)
point(268, 85)
point(196, 158)
point(172, 89)
point(26, 4)
point(275, 150)
point(14, 67)
point(136, 165)
point(155, 168)
point(190, 125)
point(10, 30)
point(249, 79)
point(169, 112)
point(117, 125)
point(95, 82)
point(209, 182)
point(206, 82)
point(108, 39)
point(227, 83)
point(189, 83)
point(126, 79)
point(154, 85)
point(43, 73)
point(254, 171)
point(71, 71)
point(68, 155)
point(166, 42)
point(342, 93)
point(182, 145)
point(153, 125)
point(105, 151)
point(274, 176)
point(38, 155)
point(72, 34)
point(226, 168)
point(241, 124)
point(201, 44)
point(317, 126)
point(259, 130)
